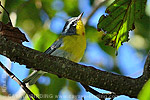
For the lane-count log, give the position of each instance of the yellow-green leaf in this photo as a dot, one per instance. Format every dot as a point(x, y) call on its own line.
point(145, 92)
point(35, 91)
point(121, 18)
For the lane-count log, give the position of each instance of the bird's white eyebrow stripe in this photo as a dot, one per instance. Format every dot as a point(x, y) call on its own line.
point(68, 26)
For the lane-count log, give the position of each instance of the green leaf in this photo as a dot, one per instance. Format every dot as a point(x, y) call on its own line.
point(121, 19)
point(144, 93)
point(35, 91)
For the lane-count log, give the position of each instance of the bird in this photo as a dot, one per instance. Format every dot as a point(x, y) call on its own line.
point(71, 44)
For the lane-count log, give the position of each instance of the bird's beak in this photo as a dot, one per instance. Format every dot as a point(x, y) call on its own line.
point(80, 16)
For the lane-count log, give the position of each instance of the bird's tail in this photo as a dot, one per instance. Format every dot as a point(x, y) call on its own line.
point(33, 77)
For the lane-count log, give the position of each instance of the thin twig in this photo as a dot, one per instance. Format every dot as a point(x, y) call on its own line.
point(94, 10)
point(30, 94)
point(101, 96)
point(7, 14)
point(82, 98)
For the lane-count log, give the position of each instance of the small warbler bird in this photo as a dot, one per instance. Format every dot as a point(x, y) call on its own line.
point(70, 45)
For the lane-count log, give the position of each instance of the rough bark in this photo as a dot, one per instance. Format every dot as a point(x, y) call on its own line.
point(87, 75)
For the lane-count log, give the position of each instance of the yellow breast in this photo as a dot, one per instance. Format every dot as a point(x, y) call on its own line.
point(75, 45)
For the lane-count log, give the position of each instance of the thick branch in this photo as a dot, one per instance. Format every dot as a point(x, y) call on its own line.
point(87, 75)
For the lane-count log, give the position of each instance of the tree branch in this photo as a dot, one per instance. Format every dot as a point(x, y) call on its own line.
point(94, 10)
point(101, 96)
point(87, 75)
point(29, 93)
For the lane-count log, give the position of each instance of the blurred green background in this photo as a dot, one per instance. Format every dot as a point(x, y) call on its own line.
point(42, 21)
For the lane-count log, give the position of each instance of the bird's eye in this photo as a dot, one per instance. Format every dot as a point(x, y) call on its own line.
point(74, 23)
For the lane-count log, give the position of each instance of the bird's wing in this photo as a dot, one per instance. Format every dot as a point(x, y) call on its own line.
point(54, 46)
